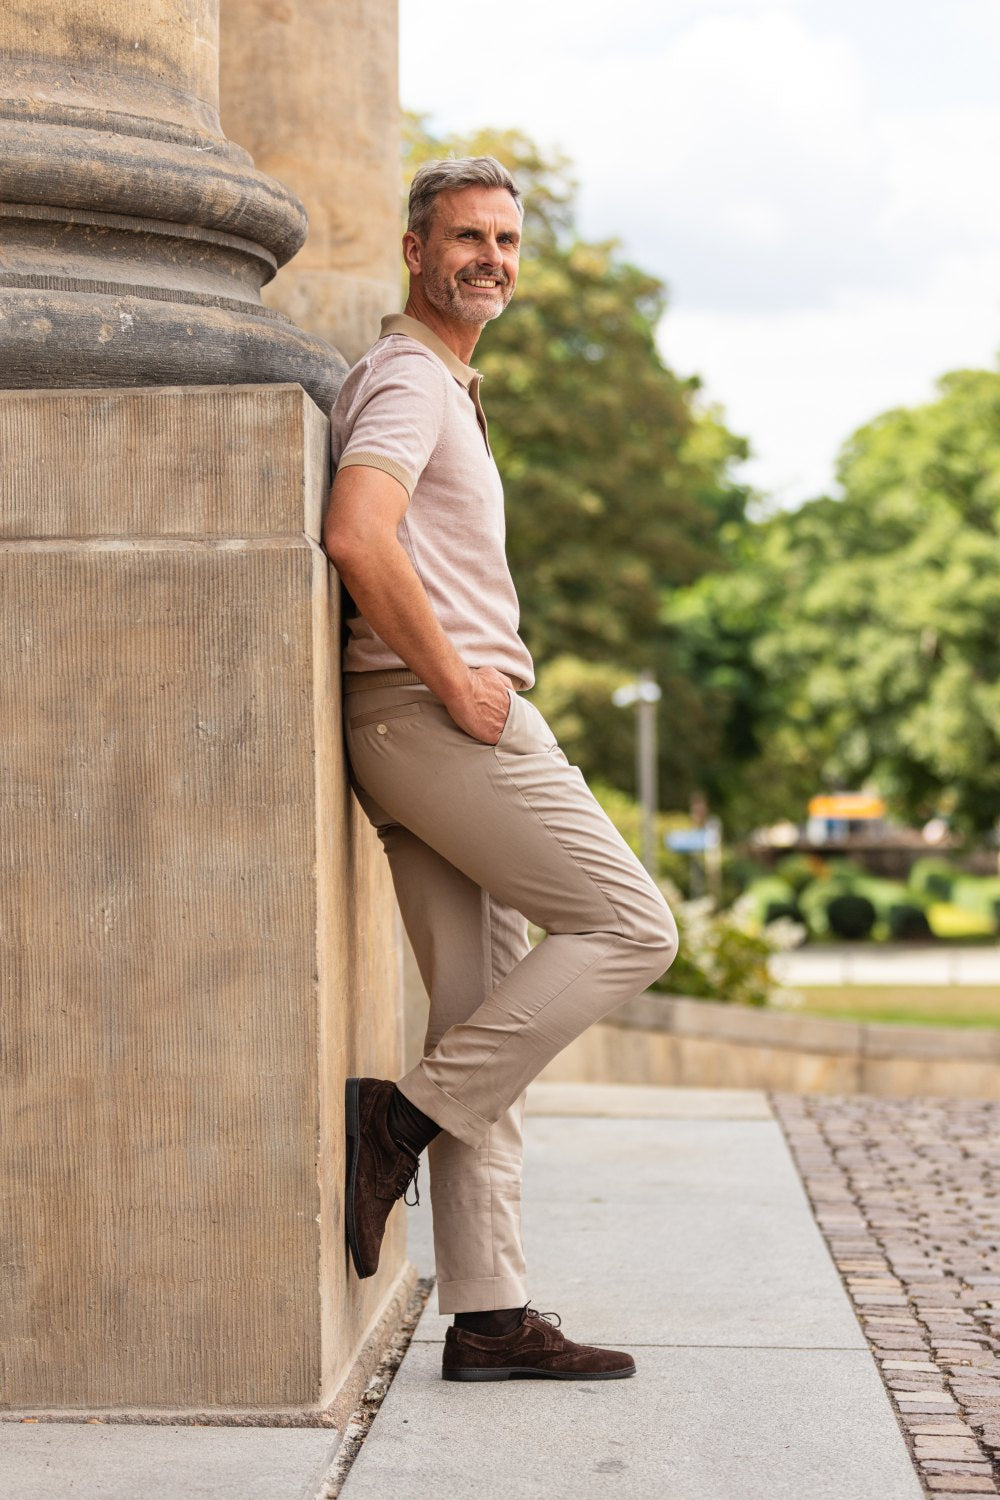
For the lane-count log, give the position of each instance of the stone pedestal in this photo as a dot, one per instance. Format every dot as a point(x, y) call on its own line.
point(196, 940)
point(310, 88)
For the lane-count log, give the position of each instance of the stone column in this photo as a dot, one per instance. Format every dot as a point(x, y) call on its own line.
point(134, 238)
point(310, 88)
point(196, 923)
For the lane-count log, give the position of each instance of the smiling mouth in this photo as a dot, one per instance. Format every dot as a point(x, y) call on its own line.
point(483, 283)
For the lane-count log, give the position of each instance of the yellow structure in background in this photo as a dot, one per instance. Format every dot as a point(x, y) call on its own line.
point(853, 807)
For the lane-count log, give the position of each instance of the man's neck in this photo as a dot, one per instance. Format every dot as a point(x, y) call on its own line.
point(460, 338)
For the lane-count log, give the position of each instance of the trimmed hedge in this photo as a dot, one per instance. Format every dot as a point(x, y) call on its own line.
point(851, 916)
point(932, 879)
point(908, 923)
point(775, 910)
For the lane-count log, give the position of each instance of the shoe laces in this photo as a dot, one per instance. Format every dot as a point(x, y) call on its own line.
point(405, 1182)
point(528, 1311)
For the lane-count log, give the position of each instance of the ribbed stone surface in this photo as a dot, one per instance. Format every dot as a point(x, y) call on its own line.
point(310, 89)
point(196, 941)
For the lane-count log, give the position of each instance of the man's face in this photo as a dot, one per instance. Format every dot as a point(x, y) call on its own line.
point(468, 262)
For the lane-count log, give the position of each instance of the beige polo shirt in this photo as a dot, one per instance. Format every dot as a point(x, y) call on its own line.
point(411, 408)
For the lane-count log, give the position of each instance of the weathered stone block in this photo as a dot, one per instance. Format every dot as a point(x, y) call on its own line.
point(197, 937)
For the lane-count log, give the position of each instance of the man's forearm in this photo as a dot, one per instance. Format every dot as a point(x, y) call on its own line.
point(384, 585)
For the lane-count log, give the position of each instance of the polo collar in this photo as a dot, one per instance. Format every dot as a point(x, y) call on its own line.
point(414, 329)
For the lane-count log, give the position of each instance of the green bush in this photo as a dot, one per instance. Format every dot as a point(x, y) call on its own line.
point(798, 870)
point(884, 895)
point(813, 902)
point(844, 874)
point(850, 916)
point(932, 879)
point(723, 954)
point(776, 911)
point(768, 891)
point(908, 923)
point(979, 894)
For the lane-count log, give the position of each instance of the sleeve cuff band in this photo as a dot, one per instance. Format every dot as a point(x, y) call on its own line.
point(378, 461)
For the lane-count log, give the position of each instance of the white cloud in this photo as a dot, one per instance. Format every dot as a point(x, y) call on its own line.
point(814, 183)
point(939, 166)
point(739, 149)
point(799, 382)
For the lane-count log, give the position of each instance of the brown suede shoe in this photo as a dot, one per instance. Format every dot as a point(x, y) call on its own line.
point(378, 1171)
point(535, 1348)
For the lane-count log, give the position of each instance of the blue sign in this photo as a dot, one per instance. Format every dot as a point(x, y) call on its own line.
point(690, 840)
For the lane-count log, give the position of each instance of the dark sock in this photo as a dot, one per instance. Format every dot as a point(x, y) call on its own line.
point(490, 1324)
point(408, 1125)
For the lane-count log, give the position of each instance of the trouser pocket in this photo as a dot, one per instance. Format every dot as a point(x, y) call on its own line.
point(382, 715)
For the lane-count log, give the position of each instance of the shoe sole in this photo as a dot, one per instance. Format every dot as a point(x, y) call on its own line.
point(531, 1373)
point(352, 1114)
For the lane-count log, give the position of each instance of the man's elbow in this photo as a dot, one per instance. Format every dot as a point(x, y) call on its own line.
point(340, 546)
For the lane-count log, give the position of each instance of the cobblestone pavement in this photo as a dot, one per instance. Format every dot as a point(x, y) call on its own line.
point(907, 1194)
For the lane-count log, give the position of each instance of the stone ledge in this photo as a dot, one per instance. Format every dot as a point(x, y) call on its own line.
point(674, 1041)
point(710, 1019)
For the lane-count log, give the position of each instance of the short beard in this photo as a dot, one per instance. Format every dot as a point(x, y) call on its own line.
point(447, 297)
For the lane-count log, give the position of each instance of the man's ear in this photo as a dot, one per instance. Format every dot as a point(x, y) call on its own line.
point(413, 252)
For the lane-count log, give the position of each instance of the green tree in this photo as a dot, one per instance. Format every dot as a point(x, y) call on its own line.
point(859, 639)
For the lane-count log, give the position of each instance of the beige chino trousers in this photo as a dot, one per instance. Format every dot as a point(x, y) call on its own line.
point(482, 839)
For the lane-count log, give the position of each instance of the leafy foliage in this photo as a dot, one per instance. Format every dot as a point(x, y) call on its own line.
point(724, 955)
point(858, 640)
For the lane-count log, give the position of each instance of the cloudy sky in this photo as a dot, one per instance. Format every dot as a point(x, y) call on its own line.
point(815, 180)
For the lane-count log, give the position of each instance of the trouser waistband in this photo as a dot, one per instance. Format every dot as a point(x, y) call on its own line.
point(359, 682)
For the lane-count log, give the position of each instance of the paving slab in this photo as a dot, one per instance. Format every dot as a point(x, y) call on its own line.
point(636, 1101)
point(660, 1231)
point(688, 1240)
point(118, 1461)
point(693, 1424)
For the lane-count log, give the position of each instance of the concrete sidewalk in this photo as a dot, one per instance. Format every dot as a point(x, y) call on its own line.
point(670, 1222)
point(667, 1221)
point(115, 1461)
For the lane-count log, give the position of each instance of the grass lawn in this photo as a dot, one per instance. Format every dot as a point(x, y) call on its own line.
point(910, 1005)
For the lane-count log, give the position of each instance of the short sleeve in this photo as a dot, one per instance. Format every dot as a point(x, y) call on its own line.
point(396, 416)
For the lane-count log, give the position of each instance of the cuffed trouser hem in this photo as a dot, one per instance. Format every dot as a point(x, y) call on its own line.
point(454, 1117)
point(487, 1295)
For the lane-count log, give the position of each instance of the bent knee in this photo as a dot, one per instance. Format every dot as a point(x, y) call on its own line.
point(658, 937)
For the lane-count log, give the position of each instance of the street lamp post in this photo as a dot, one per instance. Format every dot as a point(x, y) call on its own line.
point(644, 695)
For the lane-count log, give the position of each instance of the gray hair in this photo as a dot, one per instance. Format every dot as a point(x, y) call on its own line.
point(448, 176)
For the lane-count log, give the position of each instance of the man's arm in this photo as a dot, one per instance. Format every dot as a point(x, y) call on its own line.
point(360, 537)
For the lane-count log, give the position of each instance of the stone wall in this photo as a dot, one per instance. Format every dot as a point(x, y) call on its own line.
point(665, 1039)
point(197, 934)
point(197, 940)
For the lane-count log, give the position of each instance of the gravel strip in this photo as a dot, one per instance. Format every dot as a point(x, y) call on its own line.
point(907, 1195)
point(375, 1392)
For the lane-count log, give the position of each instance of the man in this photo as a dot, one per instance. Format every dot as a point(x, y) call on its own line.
point(485, 823)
